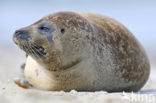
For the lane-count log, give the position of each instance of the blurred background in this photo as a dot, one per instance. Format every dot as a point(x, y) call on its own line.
point(139, 16)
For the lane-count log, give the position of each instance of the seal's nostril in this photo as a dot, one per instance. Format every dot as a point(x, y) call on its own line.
point(18, 32)
point(22, 34)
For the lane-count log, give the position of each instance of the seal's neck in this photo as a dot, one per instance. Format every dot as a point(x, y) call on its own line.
point(77, 73)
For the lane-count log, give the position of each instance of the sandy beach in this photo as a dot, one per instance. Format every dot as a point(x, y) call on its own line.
point(12, 57)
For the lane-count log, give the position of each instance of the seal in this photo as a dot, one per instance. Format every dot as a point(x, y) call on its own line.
point(82, 51)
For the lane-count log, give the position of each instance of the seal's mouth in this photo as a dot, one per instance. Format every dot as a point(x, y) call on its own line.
point(24, 41)
point(33, 49)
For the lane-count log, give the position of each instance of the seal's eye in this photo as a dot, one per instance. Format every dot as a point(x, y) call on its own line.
point(43, 28)
point(62, 31)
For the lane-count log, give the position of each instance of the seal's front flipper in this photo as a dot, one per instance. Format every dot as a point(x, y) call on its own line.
point(22, 83)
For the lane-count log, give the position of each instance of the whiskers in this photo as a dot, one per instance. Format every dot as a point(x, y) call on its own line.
point(33, 49)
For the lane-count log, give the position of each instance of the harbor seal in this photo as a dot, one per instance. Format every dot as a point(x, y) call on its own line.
point(82, 51)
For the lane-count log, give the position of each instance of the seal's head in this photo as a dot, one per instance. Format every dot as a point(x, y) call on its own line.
point(57, 41)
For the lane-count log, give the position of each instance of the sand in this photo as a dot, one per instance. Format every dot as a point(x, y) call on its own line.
point(12, 57)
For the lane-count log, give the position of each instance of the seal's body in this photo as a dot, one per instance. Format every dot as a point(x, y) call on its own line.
point(82, 51)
